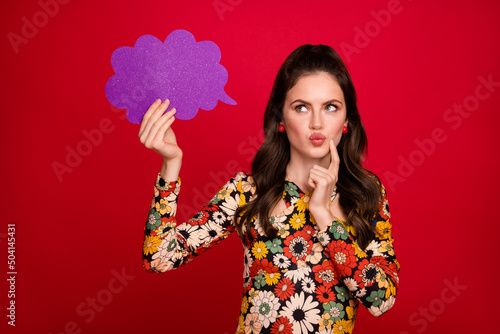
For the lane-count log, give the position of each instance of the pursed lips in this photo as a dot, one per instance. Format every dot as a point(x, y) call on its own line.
point(317, 139)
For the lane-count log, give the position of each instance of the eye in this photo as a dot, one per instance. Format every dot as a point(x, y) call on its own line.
point(301, 108)
point(331, 107)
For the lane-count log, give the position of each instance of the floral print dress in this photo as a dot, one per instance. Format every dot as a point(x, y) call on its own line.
point(302, 281)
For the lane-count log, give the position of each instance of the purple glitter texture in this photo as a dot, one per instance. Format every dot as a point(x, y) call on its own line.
point(186, 72)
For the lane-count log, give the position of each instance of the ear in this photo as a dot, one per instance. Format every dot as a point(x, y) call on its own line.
point(346, 122)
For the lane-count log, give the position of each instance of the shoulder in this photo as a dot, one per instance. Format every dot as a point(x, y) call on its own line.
point(242, 176)
point(244, 183)
point(239, 182)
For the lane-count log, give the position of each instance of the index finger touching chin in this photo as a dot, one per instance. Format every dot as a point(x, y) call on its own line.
point(334, 156)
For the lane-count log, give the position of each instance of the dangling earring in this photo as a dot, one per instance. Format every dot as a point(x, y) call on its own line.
point(281, 128)
point(345, 130)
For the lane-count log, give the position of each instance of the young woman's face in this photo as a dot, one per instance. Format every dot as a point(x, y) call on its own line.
point(314, 112)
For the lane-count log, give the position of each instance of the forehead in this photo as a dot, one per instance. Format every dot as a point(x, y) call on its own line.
point(316, 86)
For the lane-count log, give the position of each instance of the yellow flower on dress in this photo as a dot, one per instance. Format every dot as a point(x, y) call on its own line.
point(151, 243)
point(252, 294)
point(358, 251)
point(350, 229)
point(298, 220)
point(342, 326)
point(224, 193)
point(325, 321)
point(382, 280)
point(284, 232)
point(303, 203)
point(386, 247)
point(272, 278)
point(350, 312)
point(244, 305)
point(163, 207)
point(259, 250)
point(391, 291)
point(243, 200)
point(241, 325)
point(384, 229)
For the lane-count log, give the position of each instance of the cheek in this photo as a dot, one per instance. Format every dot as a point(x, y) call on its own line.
point(336, 134)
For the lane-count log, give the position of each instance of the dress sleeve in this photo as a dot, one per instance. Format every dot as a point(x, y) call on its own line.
point(371, 275)
point(169, 244)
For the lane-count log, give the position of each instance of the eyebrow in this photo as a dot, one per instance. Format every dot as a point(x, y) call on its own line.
point(305, 102)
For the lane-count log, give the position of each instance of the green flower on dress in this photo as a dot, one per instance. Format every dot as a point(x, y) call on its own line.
point(291, 189)
point(376, 297)
point(153, 219)
point(338, 230)
point(336, 310)
point(260, 281)
point(342, 293)
point(274, 246)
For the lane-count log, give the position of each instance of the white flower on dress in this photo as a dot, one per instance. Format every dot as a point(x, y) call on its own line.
point(374, 246)
point(351, 283)
point(259, 227)
point(219, 217)
point(212, 230)
point(281, 261)
point(323, 238)
point(308, 285)
point(172, 203)
point(278, 221)
point(386, 305)
point(298, 274)
point(266, 304)
point(302, 313)
point(230, 204)
point(361, 293)
point(193, 235)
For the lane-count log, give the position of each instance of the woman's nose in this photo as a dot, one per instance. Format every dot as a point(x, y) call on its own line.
point(316, 121)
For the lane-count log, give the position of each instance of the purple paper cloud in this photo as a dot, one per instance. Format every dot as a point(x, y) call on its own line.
point(186, 72)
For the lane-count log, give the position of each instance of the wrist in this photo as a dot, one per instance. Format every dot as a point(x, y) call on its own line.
point(322, 217)
point(170, 169)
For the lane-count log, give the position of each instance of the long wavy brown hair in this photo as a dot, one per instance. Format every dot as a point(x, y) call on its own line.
point(359, 189)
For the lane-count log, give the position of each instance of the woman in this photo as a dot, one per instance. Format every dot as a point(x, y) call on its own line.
point(313, 222)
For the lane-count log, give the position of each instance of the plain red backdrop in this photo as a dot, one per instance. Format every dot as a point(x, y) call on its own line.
point(413, 68)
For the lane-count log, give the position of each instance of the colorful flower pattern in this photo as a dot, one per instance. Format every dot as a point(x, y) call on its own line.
point(302, 281)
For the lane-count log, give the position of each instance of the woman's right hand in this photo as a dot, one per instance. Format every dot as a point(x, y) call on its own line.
point(156, 134)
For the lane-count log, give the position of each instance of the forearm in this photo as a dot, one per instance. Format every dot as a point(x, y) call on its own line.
point(371, 275)
point(161, 248)
point(169, 244)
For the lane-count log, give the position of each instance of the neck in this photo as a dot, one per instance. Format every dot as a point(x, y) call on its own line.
point(298, 169)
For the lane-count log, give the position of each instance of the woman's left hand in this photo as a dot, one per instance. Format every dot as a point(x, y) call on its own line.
point(324, 182)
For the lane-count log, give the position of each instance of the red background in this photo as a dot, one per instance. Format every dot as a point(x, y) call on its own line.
point(74, 232)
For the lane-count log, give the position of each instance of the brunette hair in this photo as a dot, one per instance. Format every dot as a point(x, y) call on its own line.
point(359, 189)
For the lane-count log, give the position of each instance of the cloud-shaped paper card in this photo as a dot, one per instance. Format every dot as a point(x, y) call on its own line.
point(186, 72)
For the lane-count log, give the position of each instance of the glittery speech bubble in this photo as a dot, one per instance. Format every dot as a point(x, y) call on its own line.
point(186, 72)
